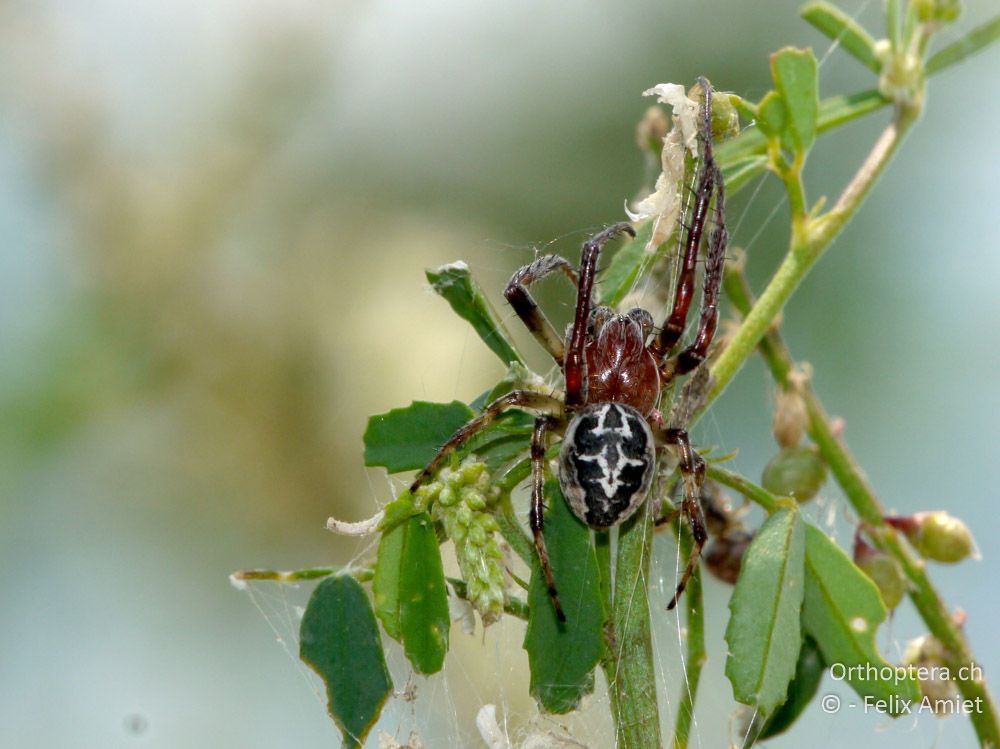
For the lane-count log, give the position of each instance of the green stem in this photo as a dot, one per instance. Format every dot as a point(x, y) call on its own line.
point(985, 718)
point(609, 664)
point(973, 42)
point(695, 659)
point(630, 673)
point(361, 574)
point(747, 488)
point(511, 530)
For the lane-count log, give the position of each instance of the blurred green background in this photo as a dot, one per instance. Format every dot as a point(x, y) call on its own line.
point(214, 220)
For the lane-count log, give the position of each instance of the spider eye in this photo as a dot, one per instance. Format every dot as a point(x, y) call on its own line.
point(641, 316)
point(598, 317)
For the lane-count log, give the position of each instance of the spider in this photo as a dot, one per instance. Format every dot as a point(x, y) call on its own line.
point(615, 367)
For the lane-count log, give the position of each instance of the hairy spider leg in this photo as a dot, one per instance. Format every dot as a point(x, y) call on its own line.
point(693, 474)
point(673, 327)
point(515, 399)
point(528, 310)
point(536, 516)
point(575, 368)
point(718, 241)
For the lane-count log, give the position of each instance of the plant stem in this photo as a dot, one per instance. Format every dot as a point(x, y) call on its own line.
point(695, 659)
point(630, 673)
point(511, 530)
point(860, 494)
point(361, 574)
point(747, 488)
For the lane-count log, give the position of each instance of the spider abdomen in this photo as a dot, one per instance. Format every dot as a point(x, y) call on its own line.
point(606, 463)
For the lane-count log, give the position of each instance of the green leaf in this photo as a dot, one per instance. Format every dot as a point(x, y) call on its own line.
point(409, 590)
point(794, 73)
point(456, 285)
point(764, 631)
point(740, 172)
point(839, 110)
point(497, 447)
point(625, 266)
point(405, 439)
point(385, 583)
point(772, 113)
point(423, 597)
point(562, 655)
point(842, 611)
point(339, 640)
point(843, 30)
point(977, 39)
point(833, 112)
point(808, 674)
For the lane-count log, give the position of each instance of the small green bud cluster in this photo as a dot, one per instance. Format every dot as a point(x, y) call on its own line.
point(460, 499)
point(902, 76)
point(938, 12)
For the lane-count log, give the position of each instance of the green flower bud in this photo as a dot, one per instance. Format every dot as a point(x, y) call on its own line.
point(477, 536)
point(473, 498)
point(725, 118)
point(937, 535)
point(883, 570)
point(463, 515)
point(462, 497)
point(790, 418)
point(902, 76)
point(938, 11)
point(797, 472)
point(447, 496)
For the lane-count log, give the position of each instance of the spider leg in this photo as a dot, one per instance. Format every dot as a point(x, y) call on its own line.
point(526, 307)
point(536, 517)
point(515, 399)
point(575, 369)
point(693, 474)
point(718, 241)
point(673, 326)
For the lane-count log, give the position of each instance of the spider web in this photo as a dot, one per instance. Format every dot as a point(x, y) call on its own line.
point(480, 699)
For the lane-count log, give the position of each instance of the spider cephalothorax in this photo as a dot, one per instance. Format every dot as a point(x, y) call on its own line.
point(614, 369)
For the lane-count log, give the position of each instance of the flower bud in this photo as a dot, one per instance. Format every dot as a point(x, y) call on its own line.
point(883, 570)
point(938, 12)
point(936, 535)
point(725, 118)
point(790, 418)
point(902, 75)
point(460, 501)
point(797, 472)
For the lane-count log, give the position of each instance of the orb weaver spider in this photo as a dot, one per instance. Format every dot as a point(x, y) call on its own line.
point(608, 416)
